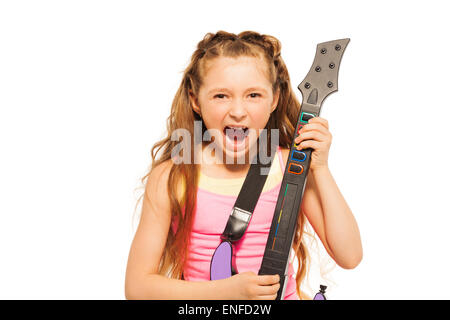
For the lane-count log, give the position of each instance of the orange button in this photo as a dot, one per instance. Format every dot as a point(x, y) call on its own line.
point(295, 168)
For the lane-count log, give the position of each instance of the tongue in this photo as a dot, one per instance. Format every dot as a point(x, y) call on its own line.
point(237, 134)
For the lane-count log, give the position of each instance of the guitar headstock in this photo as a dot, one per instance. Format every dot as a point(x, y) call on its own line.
point(322, 78)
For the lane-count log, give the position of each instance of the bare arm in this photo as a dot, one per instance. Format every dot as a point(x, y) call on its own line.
point(335, 223)
point(331, 218)
point(142, 280)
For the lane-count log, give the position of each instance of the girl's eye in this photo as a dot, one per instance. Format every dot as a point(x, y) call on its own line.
point(221, 95)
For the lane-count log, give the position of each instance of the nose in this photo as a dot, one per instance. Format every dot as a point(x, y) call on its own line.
point(238, 110)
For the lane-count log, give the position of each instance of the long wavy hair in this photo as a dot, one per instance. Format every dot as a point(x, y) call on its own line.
point(284, 118)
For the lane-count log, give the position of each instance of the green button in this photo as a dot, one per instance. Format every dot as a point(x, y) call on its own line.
point(306, 116)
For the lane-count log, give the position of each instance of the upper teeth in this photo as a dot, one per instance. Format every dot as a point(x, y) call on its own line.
point(236, 128)
point(238, 132)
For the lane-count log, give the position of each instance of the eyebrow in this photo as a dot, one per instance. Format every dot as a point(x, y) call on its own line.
point(248, 89)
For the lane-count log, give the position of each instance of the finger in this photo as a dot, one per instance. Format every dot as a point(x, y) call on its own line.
point(268, 297)
point(320, 120)
point(267, 290)
point(314, 127)
point(309, 144)
point(314, 135)
point(268, 279)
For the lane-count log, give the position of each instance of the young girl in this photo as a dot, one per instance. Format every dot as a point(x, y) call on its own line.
point(241, 82)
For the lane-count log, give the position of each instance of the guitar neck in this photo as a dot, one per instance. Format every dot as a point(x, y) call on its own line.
point(321, 81)
point(282, 230)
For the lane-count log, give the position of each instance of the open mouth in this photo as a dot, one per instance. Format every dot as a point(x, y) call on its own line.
point(235, 135)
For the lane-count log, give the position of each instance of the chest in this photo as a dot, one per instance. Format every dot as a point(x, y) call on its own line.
point(212, 212)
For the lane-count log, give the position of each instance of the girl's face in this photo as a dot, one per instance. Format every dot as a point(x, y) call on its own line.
point(235, 102)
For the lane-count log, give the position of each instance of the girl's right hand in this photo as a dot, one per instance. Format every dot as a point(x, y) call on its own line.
point(250, 286)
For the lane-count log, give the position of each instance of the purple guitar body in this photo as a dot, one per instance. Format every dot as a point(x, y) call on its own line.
point(223, 266)
point(321, 294)
point(222, 262)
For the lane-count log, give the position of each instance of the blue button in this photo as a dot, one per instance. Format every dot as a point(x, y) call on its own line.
point(298, 156)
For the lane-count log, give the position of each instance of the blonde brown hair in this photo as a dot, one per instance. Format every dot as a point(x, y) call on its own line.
point(284, 118)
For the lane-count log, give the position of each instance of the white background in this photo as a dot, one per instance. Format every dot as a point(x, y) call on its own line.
point(85, 90)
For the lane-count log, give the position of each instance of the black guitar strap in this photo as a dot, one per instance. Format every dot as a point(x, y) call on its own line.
point(223, 262)
point(247, 199)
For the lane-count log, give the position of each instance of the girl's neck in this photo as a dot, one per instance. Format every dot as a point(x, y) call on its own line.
point(214, 165)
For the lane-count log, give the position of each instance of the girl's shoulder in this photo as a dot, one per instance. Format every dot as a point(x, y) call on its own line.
point(157, 183)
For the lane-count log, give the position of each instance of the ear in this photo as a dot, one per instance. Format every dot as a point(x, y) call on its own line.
point(276, 97)
point(194, 103)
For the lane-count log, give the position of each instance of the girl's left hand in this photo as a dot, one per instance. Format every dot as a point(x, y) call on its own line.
point(315, 135)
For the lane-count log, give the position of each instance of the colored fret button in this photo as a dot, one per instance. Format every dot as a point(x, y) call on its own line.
point(299, 128)
point(306, 116)
point(295, 168)
point(298, 156)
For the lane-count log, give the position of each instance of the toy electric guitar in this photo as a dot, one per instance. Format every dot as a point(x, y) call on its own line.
point(321, 80)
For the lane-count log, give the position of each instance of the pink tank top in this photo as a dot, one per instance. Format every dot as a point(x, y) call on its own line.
point(211, 215)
